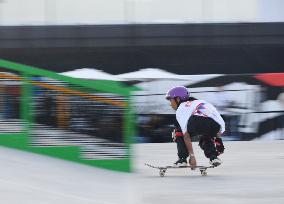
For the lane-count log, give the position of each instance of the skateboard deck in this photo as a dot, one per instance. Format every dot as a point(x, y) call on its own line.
point(163, 169)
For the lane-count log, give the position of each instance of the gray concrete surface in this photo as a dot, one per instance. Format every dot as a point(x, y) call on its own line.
point(252, 172)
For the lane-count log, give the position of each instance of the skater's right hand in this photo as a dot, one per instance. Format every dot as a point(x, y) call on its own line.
point(192, 162)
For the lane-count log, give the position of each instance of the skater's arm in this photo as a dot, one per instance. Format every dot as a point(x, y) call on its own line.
point(188, 145)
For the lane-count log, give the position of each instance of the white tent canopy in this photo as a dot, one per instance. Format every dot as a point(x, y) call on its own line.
point(200, 77)
point(149, 74)
point(155, 83)
point(91, 73)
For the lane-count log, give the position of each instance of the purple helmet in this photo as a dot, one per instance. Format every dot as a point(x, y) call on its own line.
point(178, 91)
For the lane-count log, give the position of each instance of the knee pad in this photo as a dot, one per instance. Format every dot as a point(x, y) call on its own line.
point(219, 145)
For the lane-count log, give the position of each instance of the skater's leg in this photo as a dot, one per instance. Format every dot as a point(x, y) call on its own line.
point(209, 129)
point(207, 144)
point(182, 152)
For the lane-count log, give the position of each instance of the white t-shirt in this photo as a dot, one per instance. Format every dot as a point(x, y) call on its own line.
point(200, 108)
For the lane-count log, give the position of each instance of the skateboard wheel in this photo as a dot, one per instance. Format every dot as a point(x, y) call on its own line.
point(162, 173)
point(203, 173)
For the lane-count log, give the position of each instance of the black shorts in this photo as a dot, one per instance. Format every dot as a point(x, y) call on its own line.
point(205, 126)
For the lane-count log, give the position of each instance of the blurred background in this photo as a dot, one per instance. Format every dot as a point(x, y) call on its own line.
point(85, 81)
point(229, 53)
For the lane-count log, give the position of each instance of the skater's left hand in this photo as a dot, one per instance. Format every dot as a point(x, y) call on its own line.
point(192, 162)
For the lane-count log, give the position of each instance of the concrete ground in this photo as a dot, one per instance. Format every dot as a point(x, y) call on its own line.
point(252, 172)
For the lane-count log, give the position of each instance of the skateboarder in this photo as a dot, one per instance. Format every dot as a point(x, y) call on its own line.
point(196, 117)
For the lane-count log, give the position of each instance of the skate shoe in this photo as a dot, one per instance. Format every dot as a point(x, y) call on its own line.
point(215, 161)
point(180, 162)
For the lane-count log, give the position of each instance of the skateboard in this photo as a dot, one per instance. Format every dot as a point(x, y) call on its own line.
point(163, 169)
